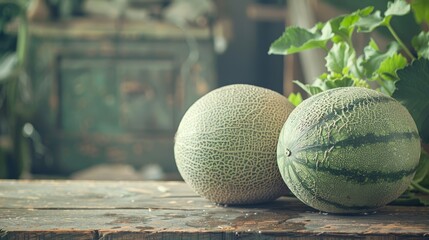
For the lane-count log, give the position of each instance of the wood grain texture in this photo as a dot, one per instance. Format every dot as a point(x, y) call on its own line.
point(87, 28)
point(170, 210)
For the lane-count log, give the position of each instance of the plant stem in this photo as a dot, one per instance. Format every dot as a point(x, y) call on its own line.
point(22, 39)
point(419, 187)
point(403, 46)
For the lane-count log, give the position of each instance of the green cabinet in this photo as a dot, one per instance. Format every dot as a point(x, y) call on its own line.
point(109, 92)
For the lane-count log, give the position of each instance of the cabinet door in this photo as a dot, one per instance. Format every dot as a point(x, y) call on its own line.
point(88, 96)
point(106, 95)
point(147, 94)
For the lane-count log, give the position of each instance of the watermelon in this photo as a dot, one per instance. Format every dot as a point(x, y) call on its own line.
point(225, 145)
point(348, 150)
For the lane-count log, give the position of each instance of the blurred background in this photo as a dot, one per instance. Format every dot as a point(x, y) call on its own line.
point(95, 89)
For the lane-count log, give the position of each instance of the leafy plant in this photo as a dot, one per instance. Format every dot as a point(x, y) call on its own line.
point(398, 70)
point(14, 93)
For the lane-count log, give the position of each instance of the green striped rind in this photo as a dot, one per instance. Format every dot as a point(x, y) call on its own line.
point(351, 150)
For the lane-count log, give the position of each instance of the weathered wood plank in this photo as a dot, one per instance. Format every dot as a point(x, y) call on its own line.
point(131, 223)
point(87, 28)
point(170, 210)
point(103, 194)
point(54, 234)
point(230, 220)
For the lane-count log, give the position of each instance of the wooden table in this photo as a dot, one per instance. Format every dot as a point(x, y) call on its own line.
point(170, 210)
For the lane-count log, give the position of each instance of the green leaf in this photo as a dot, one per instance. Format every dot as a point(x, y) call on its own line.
point(296, 39)
point(370, 22)
point(322, 77)
point(340, 57)
point(421, 44)
point(421, 10)
point(390, 65)
point(425, 181)
point(361, 83)
point(295, 99)
point(373, 44)
point(343, 26)
point(365, 11)
point(373, 57)
point(412, 199)
point(8, 66)
point(342, 32)
point(357, 69)
point(412, 91)
point(311, 90)
point(398, 8)
point(341, 82)
point(386, 87)
point(422, 168)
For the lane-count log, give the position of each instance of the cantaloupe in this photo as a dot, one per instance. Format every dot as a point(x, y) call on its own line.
point(225, 145)
point(348, 150)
